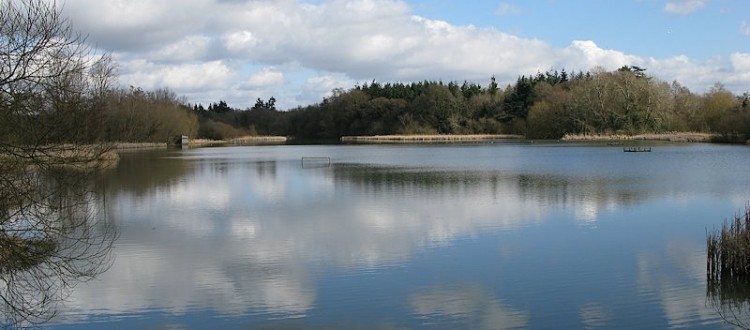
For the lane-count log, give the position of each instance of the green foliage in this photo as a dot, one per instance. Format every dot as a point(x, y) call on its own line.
point(543, 106)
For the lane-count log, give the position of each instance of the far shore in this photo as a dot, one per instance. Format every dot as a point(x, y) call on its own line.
point(436, 138)
point(693, 137)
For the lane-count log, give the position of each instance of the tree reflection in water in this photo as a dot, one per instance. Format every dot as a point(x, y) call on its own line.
point(53, 236)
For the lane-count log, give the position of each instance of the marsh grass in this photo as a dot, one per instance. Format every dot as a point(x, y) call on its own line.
point(432, 138)
point(728, 269)
point(729, 249)
point(668, 137)
point(252, 140)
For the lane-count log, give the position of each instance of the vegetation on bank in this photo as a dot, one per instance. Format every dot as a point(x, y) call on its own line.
point(550, 105)
point(621, 104)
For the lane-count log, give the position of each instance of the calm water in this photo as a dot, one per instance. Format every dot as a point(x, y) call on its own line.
point(485, 236)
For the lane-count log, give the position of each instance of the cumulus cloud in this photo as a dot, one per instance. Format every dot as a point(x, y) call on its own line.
point(317, 87)
point(206, 49)
point(741, 61)
point(264, 78)
point(684, 7)
point(184, 77)
point(587, 54)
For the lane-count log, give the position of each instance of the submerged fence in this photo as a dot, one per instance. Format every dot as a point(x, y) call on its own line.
point(316, 162)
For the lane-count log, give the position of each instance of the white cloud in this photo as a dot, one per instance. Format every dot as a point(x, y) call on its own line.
point(741, 74)
point(505, 9)
point(264, 78)
point(318, 87)
point(240, 41)
point(187, 49)
point(139, 24)
point(684, 7)
point(741, 62)
point(584, 54)
point(344, 40)
point(181, 77)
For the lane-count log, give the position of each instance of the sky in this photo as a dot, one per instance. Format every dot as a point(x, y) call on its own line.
point(298, 51)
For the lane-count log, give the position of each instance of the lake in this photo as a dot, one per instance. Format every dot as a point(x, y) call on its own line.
point(482, 236)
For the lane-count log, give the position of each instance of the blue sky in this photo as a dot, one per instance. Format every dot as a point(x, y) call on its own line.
point(642, 27)
point(300, 50)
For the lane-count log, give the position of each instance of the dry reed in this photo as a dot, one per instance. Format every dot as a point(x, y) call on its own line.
point(259, 140)
point(728, 270)
point(669, 137)
point(728, 250)
point(437, 138)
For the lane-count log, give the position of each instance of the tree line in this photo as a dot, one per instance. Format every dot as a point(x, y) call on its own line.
point(543, 106)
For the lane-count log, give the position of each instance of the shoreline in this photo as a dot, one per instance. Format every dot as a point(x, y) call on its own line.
point(434, 138)
point(677, 137)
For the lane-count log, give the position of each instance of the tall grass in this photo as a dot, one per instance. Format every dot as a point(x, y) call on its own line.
point(728, 270)
point(729, 249)
point(435, 138)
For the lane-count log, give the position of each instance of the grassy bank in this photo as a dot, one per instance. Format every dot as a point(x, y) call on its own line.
point(668, 137)
point(428, 138)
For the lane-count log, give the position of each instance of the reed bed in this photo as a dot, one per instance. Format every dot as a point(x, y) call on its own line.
point(206, 142)
point(728, 270)
point(729, 249)
point(120, 146)
point(668, 137)
point(259, 140)
point(437, 138)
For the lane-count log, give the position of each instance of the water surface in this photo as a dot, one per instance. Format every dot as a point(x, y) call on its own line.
point(486, 236)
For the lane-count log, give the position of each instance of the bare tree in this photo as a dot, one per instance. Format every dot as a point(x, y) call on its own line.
point(49, 79)
point(50, 236)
